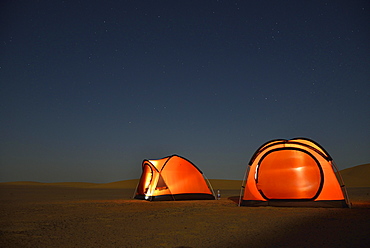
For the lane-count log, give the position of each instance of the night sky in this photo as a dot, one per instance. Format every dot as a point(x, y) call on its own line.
point(91, 88)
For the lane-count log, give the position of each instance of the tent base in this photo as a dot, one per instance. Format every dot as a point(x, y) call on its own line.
point(296, 203)
point(177, 197)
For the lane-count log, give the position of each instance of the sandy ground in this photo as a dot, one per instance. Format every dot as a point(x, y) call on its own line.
point(60, 216)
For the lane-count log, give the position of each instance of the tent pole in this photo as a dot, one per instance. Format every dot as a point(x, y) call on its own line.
point(342, 185)
point(210, 186)
point(243, 185)
point(137, 185)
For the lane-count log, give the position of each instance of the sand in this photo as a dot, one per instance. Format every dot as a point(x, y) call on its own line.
point(357, 176)
point(93, 215)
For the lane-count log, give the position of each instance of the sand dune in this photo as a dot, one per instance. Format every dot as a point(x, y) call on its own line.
point(225, 184)
point(126, 184)
point(61, 184)
point(358, 176)
point(24, 183)
point(131, 184)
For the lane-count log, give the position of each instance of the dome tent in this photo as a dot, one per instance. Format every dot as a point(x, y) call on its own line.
point(172, 178)
point(296, 172)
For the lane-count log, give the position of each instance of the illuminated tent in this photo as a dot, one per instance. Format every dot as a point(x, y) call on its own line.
point(172, 178)
point(296, 172)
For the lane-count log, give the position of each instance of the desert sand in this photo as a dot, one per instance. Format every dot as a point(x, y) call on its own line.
point(105, 215)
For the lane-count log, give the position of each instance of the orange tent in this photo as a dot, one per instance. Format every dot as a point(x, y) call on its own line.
point(172, 178)
point(296, 172)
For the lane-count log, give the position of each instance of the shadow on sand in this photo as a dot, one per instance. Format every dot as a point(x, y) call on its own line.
point(234, 199)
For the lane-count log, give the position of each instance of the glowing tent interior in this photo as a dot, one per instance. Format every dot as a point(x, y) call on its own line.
point(296, 172)
point(172, 178)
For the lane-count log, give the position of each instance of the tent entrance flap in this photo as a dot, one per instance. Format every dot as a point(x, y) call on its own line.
point(288, 174)
point(145, 180)
point(161, 185)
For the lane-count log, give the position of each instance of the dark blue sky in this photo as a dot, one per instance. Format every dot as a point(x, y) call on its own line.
point(91, 88)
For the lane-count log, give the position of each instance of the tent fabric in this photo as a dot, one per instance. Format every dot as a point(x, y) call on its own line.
point(296, 172)
point(172, 178)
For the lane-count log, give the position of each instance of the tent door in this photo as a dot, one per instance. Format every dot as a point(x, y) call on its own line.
point(289, 174)
point(145, 180)
point(161, 185)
